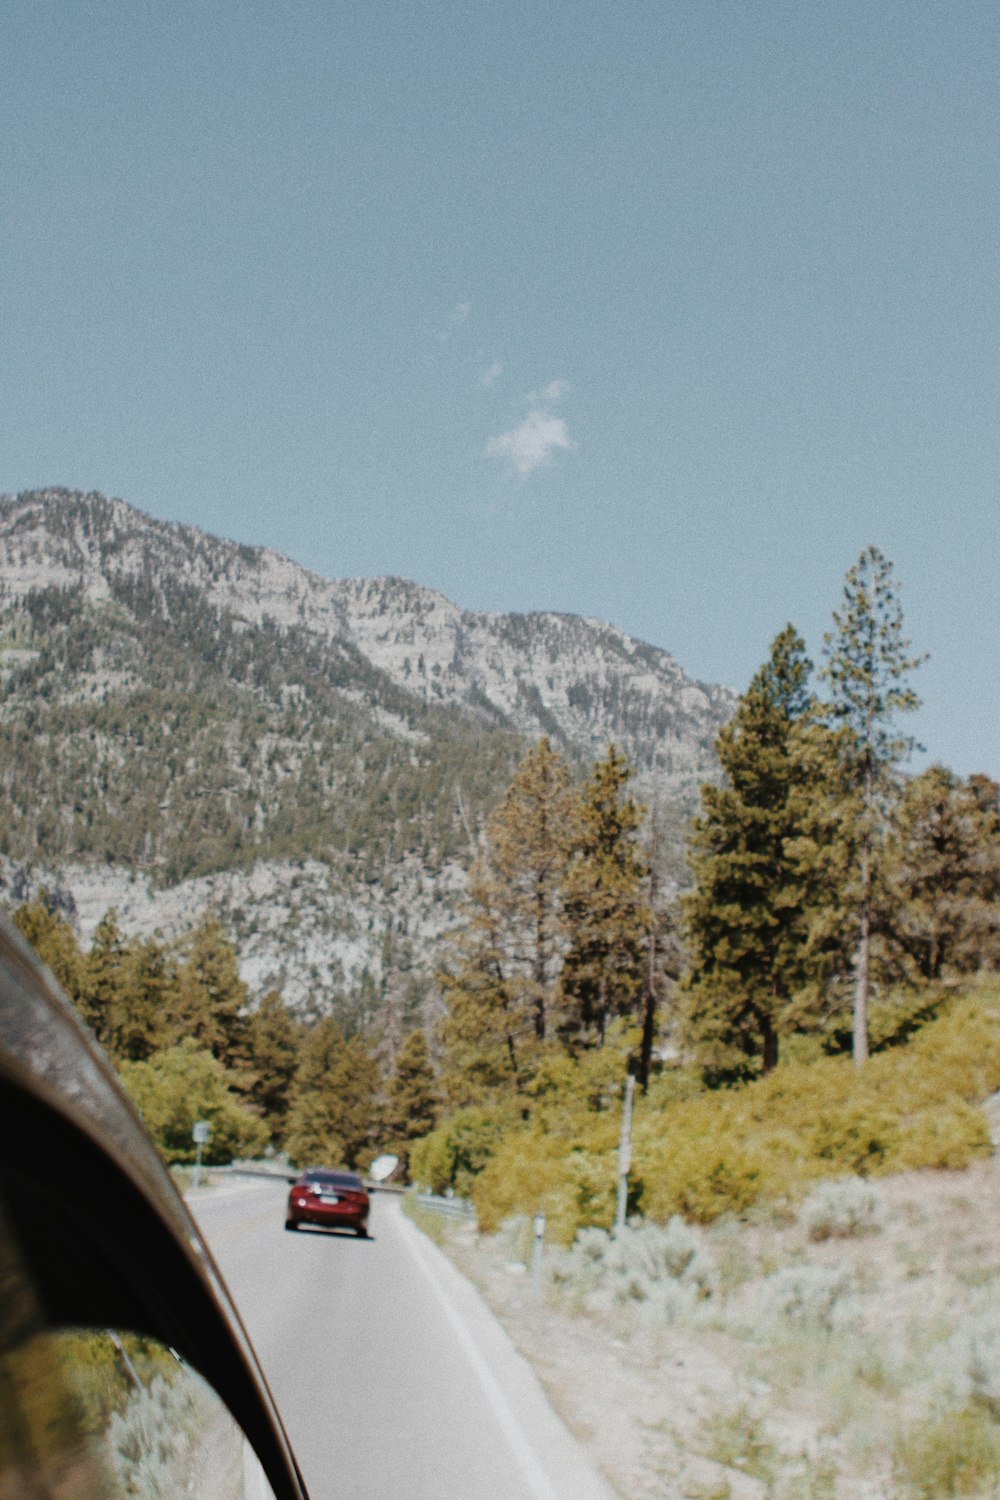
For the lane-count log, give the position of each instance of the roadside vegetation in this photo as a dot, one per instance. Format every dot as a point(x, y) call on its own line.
point(804, 1302)
point(845, 1346)
point(813, 1027)
point(704, 1153)
point(191, 1043)
point(805, 1008)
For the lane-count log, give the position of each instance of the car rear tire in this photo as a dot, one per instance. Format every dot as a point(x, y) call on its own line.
point(361, 1232)
point(291, 1224)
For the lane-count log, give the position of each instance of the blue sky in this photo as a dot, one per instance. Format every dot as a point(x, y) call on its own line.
point(658, 312)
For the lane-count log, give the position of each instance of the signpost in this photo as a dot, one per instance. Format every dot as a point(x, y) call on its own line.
point(200, 1132)
point(536, 1253)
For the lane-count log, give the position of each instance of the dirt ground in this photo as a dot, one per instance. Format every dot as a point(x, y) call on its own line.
point(714, 1412)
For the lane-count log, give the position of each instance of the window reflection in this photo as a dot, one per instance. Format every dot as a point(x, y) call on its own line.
point(102, 1414)
point(98, 1413)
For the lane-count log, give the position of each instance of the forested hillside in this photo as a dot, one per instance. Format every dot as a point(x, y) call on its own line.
point(187, 721)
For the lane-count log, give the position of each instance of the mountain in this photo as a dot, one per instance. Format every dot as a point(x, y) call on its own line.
point(187, 719)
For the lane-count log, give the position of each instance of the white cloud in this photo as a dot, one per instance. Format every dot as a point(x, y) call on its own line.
point(532, 442)
point(454, 320)
point(491, 375)
point(555, 390)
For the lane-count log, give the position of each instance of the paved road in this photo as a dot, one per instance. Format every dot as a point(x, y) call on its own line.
point(394, 1381)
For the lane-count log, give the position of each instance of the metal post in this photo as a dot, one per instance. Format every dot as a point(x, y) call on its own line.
point(536, 1254)
point(201, 1132)
point(625, 1153)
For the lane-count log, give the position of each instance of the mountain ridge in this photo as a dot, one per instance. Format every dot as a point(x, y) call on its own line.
point(512, 665)
point(178, 709)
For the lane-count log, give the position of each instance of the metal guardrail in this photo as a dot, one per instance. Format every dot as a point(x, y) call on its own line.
point(452, 1208)
point(231, 1169)
point(241, 1171)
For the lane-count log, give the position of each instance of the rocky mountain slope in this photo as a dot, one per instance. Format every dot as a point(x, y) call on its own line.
point(177, 710)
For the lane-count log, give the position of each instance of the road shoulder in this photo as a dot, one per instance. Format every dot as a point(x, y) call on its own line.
point(552, 1460)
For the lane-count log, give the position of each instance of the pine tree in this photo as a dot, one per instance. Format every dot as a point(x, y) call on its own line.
point(332, 1115)
point(148, 991)
point(55, 943)
point(274, 1039)
point(527, 849)
point(486, 1038)
point(105, 998)
point(606, 917)
point(747, 919)
point(868, 660)
point(411, 1107)
point(503, 978)
point(210, 1001)
point(943, 876)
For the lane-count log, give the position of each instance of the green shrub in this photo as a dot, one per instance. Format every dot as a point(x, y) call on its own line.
point(175, 1088)
point(534, 1173)
point(911, 1106)
point(717, 1152)
point(452, 1155)
point(945, 1136)
point(699, 1178)
point(852, 1135)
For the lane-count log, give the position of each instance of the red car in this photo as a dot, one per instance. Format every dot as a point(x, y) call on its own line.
point(335, 1200)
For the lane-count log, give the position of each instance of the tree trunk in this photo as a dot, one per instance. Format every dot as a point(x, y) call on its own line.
point(860, 1037)
point(540, 966)
point(770, 1046)
point(648, 1032)
point(512, 1054)
point(860, 1026)
point(649, 995)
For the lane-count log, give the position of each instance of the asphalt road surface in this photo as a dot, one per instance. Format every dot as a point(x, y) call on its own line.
point(393, 1379)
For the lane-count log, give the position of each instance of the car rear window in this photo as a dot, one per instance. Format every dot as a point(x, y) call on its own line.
point(334, 1179)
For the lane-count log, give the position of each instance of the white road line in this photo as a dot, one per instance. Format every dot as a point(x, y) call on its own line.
point(537, 1480)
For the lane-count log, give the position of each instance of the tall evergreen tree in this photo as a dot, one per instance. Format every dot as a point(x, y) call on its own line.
point(503, 980)
point(527, 848)
point(210, 1002)
point(105, 998)
point(274, 1039)
point(868, 661)
point(747, 918)
point(411, 1106)
point(486, 1037)
point(606, 916)
point(943, 876)
point(149, 985)
point(54, 941)
point(332, 1116)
